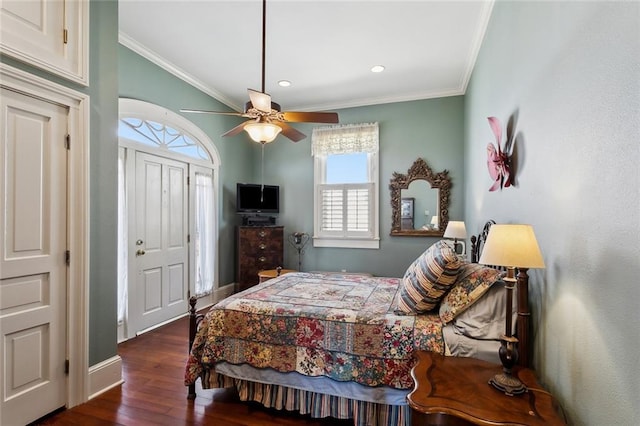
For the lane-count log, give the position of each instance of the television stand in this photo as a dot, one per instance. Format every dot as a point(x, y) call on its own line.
point(258, 220)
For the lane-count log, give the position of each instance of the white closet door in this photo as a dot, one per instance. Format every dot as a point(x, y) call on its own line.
point(33, 271)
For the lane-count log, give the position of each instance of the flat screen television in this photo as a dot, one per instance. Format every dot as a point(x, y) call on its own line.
point(254, 198)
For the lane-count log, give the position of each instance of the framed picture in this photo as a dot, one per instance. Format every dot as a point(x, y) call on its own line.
point(406, 208)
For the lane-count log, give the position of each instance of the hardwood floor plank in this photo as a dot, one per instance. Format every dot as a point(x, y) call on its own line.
point(153, 392)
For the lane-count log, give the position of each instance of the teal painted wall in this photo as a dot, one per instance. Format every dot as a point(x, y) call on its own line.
point(430, 129)
point(103, 89)
point(569, 72)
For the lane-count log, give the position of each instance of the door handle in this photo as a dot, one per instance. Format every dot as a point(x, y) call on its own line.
point(140, 252)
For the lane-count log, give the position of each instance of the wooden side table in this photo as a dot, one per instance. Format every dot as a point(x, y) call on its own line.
point(455, 391)
point(272, 273)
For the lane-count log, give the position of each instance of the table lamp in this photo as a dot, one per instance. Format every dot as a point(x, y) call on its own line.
point(511, 246)
point(434, 222)
point(456, 229)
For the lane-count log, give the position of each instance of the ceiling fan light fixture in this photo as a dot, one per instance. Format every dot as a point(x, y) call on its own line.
point(262, 132)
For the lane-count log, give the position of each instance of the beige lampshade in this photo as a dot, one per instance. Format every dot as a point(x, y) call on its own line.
point(512, 246)
point(434, 221)
point(262, 132)
point(455, 229)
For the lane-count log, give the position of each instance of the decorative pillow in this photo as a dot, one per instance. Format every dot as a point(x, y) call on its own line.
point(427, 279)
point(473, 281)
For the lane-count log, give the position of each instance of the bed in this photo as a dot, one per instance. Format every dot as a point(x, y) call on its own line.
point(329, 344)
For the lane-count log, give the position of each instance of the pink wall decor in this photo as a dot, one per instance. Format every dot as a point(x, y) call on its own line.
point(498, 161)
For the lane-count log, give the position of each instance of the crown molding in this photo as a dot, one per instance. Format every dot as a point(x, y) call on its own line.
point(155, 58)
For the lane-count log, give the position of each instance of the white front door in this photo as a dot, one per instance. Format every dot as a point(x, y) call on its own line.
point(160, 249)
point(33, 271)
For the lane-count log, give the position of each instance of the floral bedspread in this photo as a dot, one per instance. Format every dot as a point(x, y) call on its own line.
point(339, 326)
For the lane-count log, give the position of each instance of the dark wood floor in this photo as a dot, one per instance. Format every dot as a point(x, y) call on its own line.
point(153, 394)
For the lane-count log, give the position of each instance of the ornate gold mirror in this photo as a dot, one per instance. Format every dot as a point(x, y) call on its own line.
point(420, 201)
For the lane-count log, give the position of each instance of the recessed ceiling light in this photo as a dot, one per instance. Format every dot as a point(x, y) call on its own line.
point(377, 68)
point(284, 83)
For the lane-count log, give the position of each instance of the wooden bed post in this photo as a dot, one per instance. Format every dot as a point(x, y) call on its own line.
point(194, 319)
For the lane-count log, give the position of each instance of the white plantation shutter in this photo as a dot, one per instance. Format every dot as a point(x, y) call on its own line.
point(355, 219)
point(358, 208)
point(332, 208)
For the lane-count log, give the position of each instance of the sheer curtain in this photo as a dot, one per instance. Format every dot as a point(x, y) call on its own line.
point(122, 239)
point(204, 238)
point(345, 139)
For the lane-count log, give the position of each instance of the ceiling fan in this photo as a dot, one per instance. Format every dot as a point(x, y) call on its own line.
point(266, 119)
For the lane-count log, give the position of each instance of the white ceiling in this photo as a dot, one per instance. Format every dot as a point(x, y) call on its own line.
point(326, 48)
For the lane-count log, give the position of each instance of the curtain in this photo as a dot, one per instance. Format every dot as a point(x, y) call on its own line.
point(122, 239)
point(345, 139)
point(204, 239)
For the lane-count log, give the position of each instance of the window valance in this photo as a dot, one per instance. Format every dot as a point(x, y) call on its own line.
point(345, 139)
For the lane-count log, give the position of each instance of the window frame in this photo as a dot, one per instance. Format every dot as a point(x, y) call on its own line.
point(345, 239)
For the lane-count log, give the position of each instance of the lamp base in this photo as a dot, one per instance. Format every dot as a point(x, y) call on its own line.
point(508, 384)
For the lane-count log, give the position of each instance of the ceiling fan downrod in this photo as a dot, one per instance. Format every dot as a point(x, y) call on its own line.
point(264, 40)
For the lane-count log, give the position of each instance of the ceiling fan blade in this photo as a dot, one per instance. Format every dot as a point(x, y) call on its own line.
point(202, 111)
point(290, 132)
point(311, 117)
point(260, 101)
point(239, 128)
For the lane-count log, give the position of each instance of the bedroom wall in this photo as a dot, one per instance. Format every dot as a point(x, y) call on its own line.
point(568, 72)
point(431, 129)
point(140, 79)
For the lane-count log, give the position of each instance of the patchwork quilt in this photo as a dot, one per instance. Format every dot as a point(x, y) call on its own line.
point(340, 326)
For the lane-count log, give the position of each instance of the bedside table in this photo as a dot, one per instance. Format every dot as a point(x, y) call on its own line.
point(272, 273)
point(455, 391)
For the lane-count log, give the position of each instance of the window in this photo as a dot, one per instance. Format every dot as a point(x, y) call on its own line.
point(161, 136)
point(346, 186)
point(204, 238)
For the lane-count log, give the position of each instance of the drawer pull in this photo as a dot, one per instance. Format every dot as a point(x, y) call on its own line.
point(262, 233)
point(262, 259)
point(262, 246)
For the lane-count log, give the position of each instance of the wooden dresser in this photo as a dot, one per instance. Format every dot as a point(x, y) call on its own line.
point(258, 248)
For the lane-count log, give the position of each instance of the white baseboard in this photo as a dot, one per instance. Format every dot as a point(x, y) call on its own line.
point(105, 375)
point(108, 373)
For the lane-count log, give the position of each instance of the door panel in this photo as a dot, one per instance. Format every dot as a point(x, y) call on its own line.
point(161, 282)
point(33, 273)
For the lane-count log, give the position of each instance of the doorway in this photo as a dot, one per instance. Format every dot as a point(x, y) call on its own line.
point(167, 217)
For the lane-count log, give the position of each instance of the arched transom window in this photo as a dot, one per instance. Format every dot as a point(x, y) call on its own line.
point(161, 136)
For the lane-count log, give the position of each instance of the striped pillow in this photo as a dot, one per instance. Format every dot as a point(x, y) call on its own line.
point(428, 279)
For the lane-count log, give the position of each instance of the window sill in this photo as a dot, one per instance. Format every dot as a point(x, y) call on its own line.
point(368, 243)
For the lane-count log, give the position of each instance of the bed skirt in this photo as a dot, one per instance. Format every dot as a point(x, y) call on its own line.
point(315, 404)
